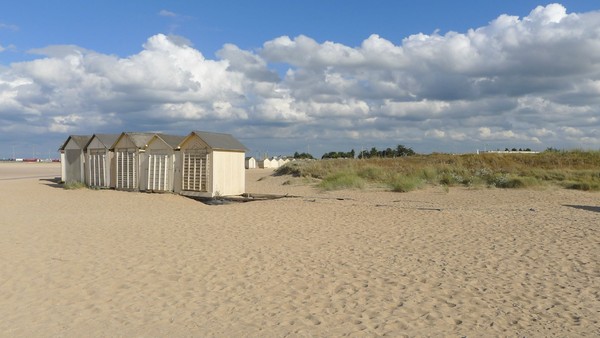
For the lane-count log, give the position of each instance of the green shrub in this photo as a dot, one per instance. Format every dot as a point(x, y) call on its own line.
point(371, 173)
point(401, 183)
point(430, 174)
point(585, 186)
point(512, 182)
point(342, 180)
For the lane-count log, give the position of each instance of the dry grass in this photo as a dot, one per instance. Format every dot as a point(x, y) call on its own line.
point(569, 169)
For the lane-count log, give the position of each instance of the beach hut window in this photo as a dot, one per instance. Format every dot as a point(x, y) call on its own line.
point(97, 165)
point(158, 172)
point(195, 167)
point(126, 169)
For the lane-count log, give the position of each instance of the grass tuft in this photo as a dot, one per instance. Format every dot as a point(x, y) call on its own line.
point(73, 185)
point(401, 183)
point(342, 180)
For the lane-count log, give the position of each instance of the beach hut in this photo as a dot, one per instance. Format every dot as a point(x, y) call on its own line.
point(212, 165)
point(73, 158)
point(266, 163)
point(129, 153)
point(160, 163)
point(100, 165)
point(250, 163)
point(282, 161)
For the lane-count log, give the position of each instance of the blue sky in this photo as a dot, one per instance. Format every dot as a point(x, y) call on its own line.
point(316, 76)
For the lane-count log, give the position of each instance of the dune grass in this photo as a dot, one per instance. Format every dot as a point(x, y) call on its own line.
point(569, 169)
point(72, 185)
point(342, 180)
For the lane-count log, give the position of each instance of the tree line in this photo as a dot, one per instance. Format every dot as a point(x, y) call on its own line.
point(399, 151)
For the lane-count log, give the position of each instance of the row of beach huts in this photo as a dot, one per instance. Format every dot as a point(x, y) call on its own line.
point(201, 164)
point(273, 162)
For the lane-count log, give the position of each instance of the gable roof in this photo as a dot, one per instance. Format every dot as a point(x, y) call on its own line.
point(106, 139)
point(172, 141)
point(218, 141)
point(139, 139)
point(80, 140)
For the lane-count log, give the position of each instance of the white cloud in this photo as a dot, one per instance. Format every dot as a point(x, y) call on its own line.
point(9, 27)
point(436, 133)
point(251, 65)
point(529, 81)
point(573, 132)
point(164, 12)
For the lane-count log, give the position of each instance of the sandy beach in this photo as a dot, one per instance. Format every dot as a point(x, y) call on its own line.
point(463, 262)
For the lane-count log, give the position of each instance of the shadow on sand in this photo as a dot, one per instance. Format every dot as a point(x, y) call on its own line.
point(52, 182)
point(583, 207)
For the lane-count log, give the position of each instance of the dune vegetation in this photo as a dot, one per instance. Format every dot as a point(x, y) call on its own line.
point(569, 169)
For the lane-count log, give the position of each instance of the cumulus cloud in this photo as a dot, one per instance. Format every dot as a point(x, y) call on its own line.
point(516, 82)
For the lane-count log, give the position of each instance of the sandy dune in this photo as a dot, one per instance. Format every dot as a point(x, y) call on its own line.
point(486, 262)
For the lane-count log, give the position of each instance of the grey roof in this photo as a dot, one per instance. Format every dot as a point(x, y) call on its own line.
point(139, 139)
point(80, 140)
point(106, 139)
point(172, 140)
point(219, 141)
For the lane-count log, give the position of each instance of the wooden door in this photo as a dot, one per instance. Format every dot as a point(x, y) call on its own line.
point(127, 168)
point(159, 172)
point(97, 173)
point(195, 169)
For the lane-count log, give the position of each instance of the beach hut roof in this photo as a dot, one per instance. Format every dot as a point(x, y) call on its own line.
point(172, 140)
point(219, 141)
point(139, 139)
point(80, 140)
point(106, 139)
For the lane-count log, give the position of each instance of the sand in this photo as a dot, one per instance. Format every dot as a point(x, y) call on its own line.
point(463, 262)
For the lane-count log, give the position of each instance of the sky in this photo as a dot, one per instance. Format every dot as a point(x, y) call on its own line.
point(307, 76)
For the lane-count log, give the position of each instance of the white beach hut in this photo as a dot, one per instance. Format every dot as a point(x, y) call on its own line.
point(266, 163)
point(251, 163)
point(281, 161)
point(129, 153)
point(160, 163)
point(100, 164)
point(73, 158)
point(212, 165)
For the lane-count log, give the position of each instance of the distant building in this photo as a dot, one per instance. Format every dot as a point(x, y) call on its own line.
point(282, 161)
point(507, 152)
point(267, 163)
point(251, 163)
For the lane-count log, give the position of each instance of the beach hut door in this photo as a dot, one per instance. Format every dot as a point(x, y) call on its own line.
point(73, 165)
point(97, 168)
point(126, 169)
point(195, 166)
point(159, 169)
